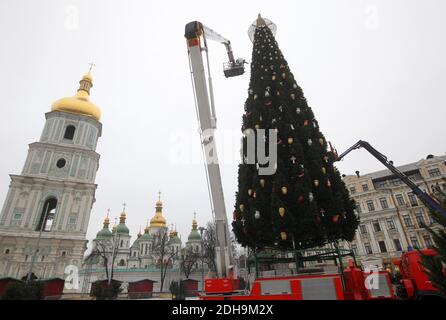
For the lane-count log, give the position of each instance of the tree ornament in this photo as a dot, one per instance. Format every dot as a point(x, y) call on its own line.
point(321, 141)
point(282, 66)
point(293, 159)
point(290, 140)
point(268, 103)
point(316, 183)
point(254, 195)
point(242, 207)
point(301, 198)
point(324, 171)
point(314, 124)
point(310, 196)
point(298, 110)
point(328, 183)
point(266, 94)
point(326, 158)
point(306, 123)
point(283, 235)
point(262, 182)
point(257, 214)
point(284, 190)
point(278, 92)
point(273, 78)
point(255, 96)
point(250, 192)
point(292, 127)
point(283, 75)
point(282, 211)
point(335, 218)
point(293, 96)
point(310, 142)
point(257, 126)
point(295, 86)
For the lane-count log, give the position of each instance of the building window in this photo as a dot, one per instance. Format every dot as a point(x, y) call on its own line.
point(407, 221)
point(352, 190)
point(370, 205)
point(390, 224)
point(355, 249)
point(64, 253)
point(399, 199)
point(376, 226)
point(69, 132)
point(121, 263)
point(365, 187)
point(47, 216)
point(122, 243)
point(7, 251)
point(415, 242)
point(43, 258)
point(384, 203)
point(434, 172)
point(382, 246)
point(368, 248)
point(420, 219)
point(363, 228)
point(412, 199)
point(358, 207)
point(428, 241)
point(397, 245)
point(61, 163)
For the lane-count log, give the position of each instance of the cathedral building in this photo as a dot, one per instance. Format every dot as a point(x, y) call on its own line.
point(44, 219)
point(138, 260)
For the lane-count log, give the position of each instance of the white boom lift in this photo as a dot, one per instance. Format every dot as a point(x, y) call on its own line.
point(197, 34)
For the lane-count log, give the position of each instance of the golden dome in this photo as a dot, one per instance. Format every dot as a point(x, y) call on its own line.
point(158, 220)
point(80, 103)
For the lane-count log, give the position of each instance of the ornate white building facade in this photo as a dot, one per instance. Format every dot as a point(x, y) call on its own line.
point(44, 219)
point(139, 260)
point(391, 216)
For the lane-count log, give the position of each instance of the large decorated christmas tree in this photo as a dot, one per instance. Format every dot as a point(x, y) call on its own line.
point(305, 202)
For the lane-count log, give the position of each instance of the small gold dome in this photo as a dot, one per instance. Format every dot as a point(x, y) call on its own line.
point(158, 220)
point(80, 103)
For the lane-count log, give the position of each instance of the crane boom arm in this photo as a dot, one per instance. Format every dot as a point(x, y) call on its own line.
point(423, 196)
point(195, 31)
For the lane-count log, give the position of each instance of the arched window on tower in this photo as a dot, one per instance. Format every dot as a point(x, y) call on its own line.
point(69, 132)
point(47, 216)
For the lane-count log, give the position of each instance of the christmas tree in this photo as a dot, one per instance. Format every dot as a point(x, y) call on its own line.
point(305, 203)
point(435, 266)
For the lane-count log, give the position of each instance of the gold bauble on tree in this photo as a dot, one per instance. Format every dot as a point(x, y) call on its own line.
point(242, 207)
point(290, 140)
point(284, 190)
point(316, 183)
point(283, 236)
point(257, 126)
point(321, 141)
point(262, 182)
point(282, 211)
point(324, 171)
point(250, 191)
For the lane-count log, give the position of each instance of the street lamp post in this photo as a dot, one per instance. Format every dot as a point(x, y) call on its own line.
point(33, 259)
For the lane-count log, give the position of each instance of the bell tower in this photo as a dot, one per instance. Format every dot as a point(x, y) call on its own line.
point(44, 219)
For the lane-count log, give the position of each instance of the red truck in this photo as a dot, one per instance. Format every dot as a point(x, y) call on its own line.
point(415, 283)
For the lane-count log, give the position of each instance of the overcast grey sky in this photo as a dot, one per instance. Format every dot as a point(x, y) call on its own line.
point(372, 70)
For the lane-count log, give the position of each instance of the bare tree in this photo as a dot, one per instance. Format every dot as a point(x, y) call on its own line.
point(163, 254)
point(189, 258)
point(107, 250)
point(209, 244)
